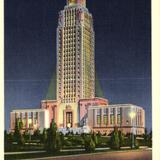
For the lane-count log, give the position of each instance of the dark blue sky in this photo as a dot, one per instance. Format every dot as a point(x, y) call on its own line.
point(123, 56)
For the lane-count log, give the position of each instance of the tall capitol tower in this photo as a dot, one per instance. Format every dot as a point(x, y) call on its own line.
point(75, 53)
point(75, 61)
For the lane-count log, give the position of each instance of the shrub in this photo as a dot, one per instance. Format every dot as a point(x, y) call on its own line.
point(18, 137)
point(150, 139)
point(89, 144)
point(136, 144)
point(114, 141)
point(53, 143)
point(44, 136)
point(95, 138)
point(121, 139)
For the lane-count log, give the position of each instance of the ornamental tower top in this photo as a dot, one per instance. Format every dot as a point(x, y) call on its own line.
point(76, 2)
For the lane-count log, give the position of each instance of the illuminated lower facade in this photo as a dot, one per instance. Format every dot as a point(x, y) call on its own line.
point(72, 115)
point(29, 119)
point(96, 114)
point(127, 118)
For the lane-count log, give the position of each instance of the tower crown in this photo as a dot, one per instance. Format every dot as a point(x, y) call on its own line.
point(74, 2)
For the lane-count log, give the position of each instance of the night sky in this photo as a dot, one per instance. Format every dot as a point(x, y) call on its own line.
point(123, 52)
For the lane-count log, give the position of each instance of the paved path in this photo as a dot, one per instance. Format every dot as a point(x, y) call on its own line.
point(120, 155)
point(64, 150)
point(27, 152)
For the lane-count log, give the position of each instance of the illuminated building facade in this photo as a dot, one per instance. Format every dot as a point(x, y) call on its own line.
point(105, 118)
point(75, 77)
point(29, 119)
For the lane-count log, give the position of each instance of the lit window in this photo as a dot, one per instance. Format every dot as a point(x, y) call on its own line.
point(119, 117)
point(105, 119)
point(98, 119)
point(112, 117)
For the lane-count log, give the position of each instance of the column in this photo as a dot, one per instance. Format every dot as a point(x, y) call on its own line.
point(32, 119)
point(37, 117)
point(108, 116)
point(26, 120)
point(115, 114)
point(101, 115)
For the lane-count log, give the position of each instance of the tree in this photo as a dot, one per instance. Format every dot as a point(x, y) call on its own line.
point(95, 138)
point(62, 138)
point(44, 136)
point(5, 137)
point(121, 139)
point(136, 144)
point(114, 141)
point(133, 144)
point(53, 143)
point(150, 139)
point(18, 137)
point(146, 137)
point(37, 134)
point(26, 135)
point(8, 139)
point(89, 143)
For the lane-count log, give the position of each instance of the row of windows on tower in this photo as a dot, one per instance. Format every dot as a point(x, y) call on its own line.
point(69, 50)
point(71, 18)
point(71, 76)
point(71, 63)
point(71, 34)
point(71, 31)
point(69, 58)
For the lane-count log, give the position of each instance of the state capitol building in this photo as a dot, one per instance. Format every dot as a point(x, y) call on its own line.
point(76, 106)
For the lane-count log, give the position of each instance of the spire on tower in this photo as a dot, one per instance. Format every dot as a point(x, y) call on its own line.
point(73, 2)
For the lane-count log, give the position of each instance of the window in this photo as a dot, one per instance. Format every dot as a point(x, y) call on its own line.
point(23, 119)
point(112, 121)
point(105, 119)
point(98, 119)
point(112, 117)
point(30, 119)
point(69, 119)
point(105, 116)
point(119, 116)
point(99, 116)
point(119, 119)
point(35, 117)
point(112, 111)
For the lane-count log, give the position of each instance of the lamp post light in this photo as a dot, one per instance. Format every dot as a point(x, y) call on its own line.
point(68, 126)
point(132, 115)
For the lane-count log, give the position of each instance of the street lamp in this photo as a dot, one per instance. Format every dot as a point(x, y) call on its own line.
point(69, 125)
point(132, 115)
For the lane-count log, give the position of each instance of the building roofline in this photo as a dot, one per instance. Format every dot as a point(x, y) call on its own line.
point(27, 110)
point(116, 105)
point(49, 100)
point(94, 98)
